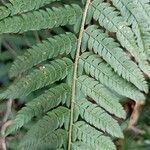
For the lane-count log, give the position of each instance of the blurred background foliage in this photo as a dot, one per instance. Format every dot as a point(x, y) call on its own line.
point(135, 141)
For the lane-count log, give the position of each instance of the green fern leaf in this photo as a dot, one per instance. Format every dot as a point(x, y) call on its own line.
point(54, 140)
point(52, 47)
point(98, 117)
point(50, 99)
point(38, 78)
point(4, 12)
point(91, 137)
point(136, 7)
point(80, 146)
point(139, 26)
point(41, 19)
point(110, 19)
point(100, 70)
point(101, 95)
point(21, 6)
point(45, 126)
point(106, 47)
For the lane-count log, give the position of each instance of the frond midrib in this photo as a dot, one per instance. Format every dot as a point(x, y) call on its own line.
point(75, 68)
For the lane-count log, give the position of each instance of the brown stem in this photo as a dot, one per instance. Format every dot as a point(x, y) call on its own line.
point(5, 125)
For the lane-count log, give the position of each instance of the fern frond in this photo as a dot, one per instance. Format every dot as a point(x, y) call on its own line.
point(77, 76)
point(90, 136)
point(52, 47)
point(146, 36)
point(139, 8)
point(143, 37)
point(128, 11)
point(106, 47)
point(41, 19)
point(100, 70)
point(4, 12)
point(101, 95)
point(50, 99)
point(134, 16)
point(21, 6)
point(112, 22)
point(44, 127)
point(38, 78)
point(146, 6)
point(80, 146)
point(54, 140)
point(98, 117)
point(110, 19)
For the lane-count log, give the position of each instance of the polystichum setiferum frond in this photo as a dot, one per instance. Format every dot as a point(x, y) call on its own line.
point(82, 74)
